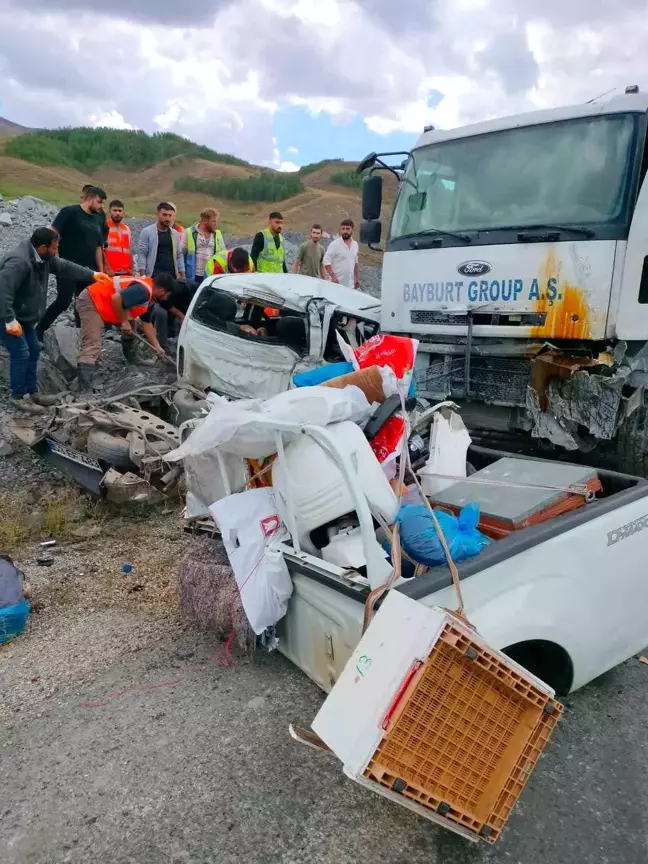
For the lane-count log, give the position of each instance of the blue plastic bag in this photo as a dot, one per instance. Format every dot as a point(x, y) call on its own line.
point(421, 541)
point(323, 373)
point(13, 620)
point(407, 568)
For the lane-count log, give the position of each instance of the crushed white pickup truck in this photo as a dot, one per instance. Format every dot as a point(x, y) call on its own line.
point(542, 561)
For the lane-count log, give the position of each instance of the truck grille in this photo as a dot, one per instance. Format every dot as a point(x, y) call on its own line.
point(494, 380)
point(484, 319)
point(426, 316)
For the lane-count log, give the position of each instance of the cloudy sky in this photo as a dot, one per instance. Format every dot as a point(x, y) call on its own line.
point(287, 82)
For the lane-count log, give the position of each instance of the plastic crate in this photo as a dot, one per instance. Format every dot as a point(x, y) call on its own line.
point(465, 736)
point(428, 715)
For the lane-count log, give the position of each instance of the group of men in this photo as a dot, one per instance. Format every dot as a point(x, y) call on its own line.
point(340, 261)
point(96, 267)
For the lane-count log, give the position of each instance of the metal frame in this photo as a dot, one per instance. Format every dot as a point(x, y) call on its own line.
point(373, 558)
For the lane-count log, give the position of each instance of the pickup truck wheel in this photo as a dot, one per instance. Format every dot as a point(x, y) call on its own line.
point(629, 450)
point(109, 448)
point(547, 661)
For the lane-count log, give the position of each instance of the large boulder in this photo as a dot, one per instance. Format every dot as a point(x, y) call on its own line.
point(62, 347)
point(50, 380)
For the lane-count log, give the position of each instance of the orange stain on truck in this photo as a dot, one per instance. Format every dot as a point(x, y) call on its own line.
point(567, 313)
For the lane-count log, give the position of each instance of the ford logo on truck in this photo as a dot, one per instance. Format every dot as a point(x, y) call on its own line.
point(474, 268)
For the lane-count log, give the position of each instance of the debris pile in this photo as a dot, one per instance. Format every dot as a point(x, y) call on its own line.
point(20, 216)
point(112, 447)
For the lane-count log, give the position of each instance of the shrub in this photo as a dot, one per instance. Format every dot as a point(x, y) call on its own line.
point(347, 178)
point(315, 166)
point(266, 186)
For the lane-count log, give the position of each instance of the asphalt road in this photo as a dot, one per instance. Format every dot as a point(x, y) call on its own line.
point(203, 770)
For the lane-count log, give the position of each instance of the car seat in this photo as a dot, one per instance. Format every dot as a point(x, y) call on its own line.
point(219, 310)
point(291, 331)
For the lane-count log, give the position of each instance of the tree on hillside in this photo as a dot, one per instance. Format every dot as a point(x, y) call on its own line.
point(266, 186)
point(86, 149)
point(347, 178)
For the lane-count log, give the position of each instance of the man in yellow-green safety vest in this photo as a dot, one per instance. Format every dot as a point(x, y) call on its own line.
point(268, 251)
point(235, 261)
point(201, 242)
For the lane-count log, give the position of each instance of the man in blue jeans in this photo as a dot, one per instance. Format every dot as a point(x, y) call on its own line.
point(24, 274)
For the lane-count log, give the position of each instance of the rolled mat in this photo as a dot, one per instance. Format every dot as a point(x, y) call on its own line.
point(208, 593)
point(368, 380)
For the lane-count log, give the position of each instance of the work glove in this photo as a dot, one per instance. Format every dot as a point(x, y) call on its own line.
point(14, 328)
point(101, 277)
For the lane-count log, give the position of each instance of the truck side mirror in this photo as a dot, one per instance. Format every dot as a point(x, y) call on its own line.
point(372, 197)
point(370, 232)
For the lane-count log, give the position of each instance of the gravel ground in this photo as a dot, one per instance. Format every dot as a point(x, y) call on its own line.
point(86, 612)
point(162, 755)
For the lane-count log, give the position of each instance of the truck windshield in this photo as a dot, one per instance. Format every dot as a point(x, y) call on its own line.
point(574, 172)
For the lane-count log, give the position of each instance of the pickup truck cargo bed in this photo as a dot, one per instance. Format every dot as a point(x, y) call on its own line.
point(565, 598)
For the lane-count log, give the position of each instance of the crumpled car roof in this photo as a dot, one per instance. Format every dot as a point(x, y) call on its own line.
point(296, 291)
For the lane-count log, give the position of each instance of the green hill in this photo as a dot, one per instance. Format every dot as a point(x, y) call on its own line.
point(266, 186)
point(86, 149)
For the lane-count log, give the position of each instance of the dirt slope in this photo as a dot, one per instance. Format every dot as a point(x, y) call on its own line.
point(322, 201)
point(8, 128)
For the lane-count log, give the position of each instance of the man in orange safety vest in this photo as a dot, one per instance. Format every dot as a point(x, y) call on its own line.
point(118, 252)
point(120, 300)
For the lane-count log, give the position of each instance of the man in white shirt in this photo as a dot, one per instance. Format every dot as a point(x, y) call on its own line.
point(341, 258)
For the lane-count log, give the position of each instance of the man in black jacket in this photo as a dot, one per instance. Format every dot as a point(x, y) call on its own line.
point(81, 230)
point(24, 274)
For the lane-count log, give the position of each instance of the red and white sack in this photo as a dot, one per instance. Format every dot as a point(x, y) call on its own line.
point(251, 528)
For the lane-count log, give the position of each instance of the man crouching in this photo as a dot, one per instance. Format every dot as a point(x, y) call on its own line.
point(119, 300)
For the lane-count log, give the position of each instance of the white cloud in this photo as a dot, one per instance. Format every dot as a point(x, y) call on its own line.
point(288, 166)
point(341, 58)
point(293, 150)
point(111, 119)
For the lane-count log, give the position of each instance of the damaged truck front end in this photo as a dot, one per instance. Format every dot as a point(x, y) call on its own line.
point(541, 395)
point(518, 255)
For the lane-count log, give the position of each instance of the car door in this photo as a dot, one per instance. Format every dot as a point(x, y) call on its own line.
point(237, 366)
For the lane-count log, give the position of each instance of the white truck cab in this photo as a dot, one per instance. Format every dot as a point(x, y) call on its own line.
point(517, 252)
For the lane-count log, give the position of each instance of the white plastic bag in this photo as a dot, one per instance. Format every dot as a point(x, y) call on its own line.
point(250, 527)
point(449, 442)
point(247, 429)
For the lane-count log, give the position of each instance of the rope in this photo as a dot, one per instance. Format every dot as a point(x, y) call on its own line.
point(377, 593)
point(256, 476)
point(396, 551)
point(575, 489)
point(456, 581)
